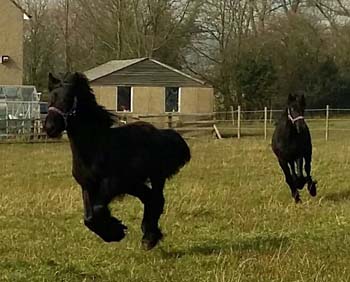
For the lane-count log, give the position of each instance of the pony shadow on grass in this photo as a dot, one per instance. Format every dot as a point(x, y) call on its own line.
point(258, 244)
point(338, 196)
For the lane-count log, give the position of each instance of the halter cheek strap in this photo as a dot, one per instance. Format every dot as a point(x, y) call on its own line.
point(57, 110)
point(293, 120)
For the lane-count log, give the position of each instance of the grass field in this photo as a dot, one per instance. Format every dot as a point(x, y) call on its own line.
point(229, 217)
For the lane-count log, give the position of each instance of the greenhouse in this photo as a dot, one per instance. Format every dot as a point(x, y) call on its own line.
point(19, 111)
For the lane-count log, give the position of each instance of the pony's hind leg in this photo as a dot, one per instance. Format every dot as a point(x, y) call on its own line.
point(289, 179)
point(311, 185)
point(153, 209)
point(153, 201)
point(97, 217)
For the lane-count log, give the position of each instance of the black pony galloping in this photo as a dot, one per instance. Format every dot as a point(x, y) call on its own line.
point(291, 143)
point(108, 162)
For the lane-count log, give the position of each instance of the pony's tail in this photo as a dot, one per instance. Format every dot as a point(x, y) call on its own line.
point(176, 152)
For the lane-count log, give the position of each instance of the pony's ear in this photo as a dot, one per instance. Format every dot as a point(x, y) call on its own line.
point(53, 81)
point(291, 98)
point(80, 79)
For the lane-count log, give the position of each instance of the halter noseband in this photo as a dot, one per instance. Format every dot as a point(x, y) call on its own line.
point(63, 114)
point(57, 110)
point(293, 120)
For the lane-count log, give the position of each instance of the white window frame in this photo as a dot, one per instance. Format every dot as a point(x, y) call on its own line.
point(131, 99)
point(178, 100)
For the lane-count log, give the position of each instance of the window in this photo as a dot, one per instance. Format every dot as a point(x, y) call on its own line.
point(124, 94)
point(172, 98)
point(43, 108)
point(2, 93)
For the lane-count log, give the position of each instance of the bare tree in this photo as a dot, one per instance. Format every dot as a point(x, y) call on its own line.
point(224, 25)
point(40, 41)
point(136, 28)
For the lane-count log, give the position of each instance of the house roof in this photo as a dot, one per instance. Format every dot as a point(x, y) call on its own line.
point(21, 9)
point(109, 67)
point(117, 65)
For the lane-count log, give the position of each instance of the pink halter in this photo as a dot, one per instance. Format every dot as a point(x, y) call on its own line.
point(293, 120)
point(54, 109)
point(63, 114)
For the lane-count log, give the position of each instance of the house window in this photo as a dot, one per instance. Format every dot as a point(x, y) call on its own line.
point(172, 99)
point(124, 97)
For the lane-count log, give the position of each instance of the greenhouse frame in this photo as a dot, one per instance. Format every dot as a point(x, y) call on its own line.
point(19, 111)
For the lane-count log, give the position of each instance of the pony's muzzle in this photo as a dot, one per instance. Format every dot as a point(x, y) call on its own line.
point(54, 125)
point(300, 125)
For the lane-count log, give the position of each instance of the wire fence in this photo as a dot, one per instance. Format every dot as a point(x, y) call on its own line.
point(326, 123)
point(19, 119)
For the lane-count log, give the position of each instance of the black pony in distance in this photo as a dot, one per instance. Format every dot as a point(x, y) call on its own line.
point(108, 162)
point(291, 143)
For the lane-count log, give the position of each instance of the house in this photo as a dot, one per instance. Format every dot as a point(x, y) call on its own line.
point(149, 87)
point(11, 42)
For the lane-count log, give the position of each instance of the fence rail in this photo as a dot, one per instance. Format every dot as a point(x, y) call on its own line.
point(324, 123)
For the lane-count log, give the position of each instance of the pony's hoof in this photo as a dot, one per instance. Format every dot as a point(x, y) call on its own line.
point(149, 241)
point(297, 199)
point(110, 230)
point(301, 183)
point(312, 188)
point(115, 233)
point(116, 230)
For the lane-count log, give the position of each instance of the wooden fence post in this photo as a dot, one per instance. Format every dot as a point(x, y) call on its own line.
point(265, 123)
point(170, 120)
point(232, 116)
point(7, 120)
point(271, 115)
point(217, 132)
point(239, 122)
point(327, 122)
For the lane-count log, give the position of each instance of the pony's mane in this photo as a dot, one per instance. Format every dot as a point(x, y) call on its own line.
point(87, 105)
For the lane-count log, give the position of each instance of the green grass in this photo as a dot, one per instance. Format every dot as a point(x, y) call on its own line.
point(229, 216)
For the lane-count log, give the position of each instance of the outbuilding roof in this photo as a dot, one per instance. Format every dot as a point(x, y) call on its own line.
point(117, 65)
point(26, 15)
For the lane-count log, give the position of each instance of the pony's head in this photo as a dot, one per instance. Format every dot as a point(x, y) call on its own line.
point(295, 111)
point(63, 93)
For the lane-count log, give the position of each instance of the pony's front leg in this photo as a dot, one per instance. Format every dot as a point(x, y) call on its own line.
point(289, 179)
point(301, 180)
point(97, 217)
point(292, 171)
point(298, 181)
point(311, 185)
